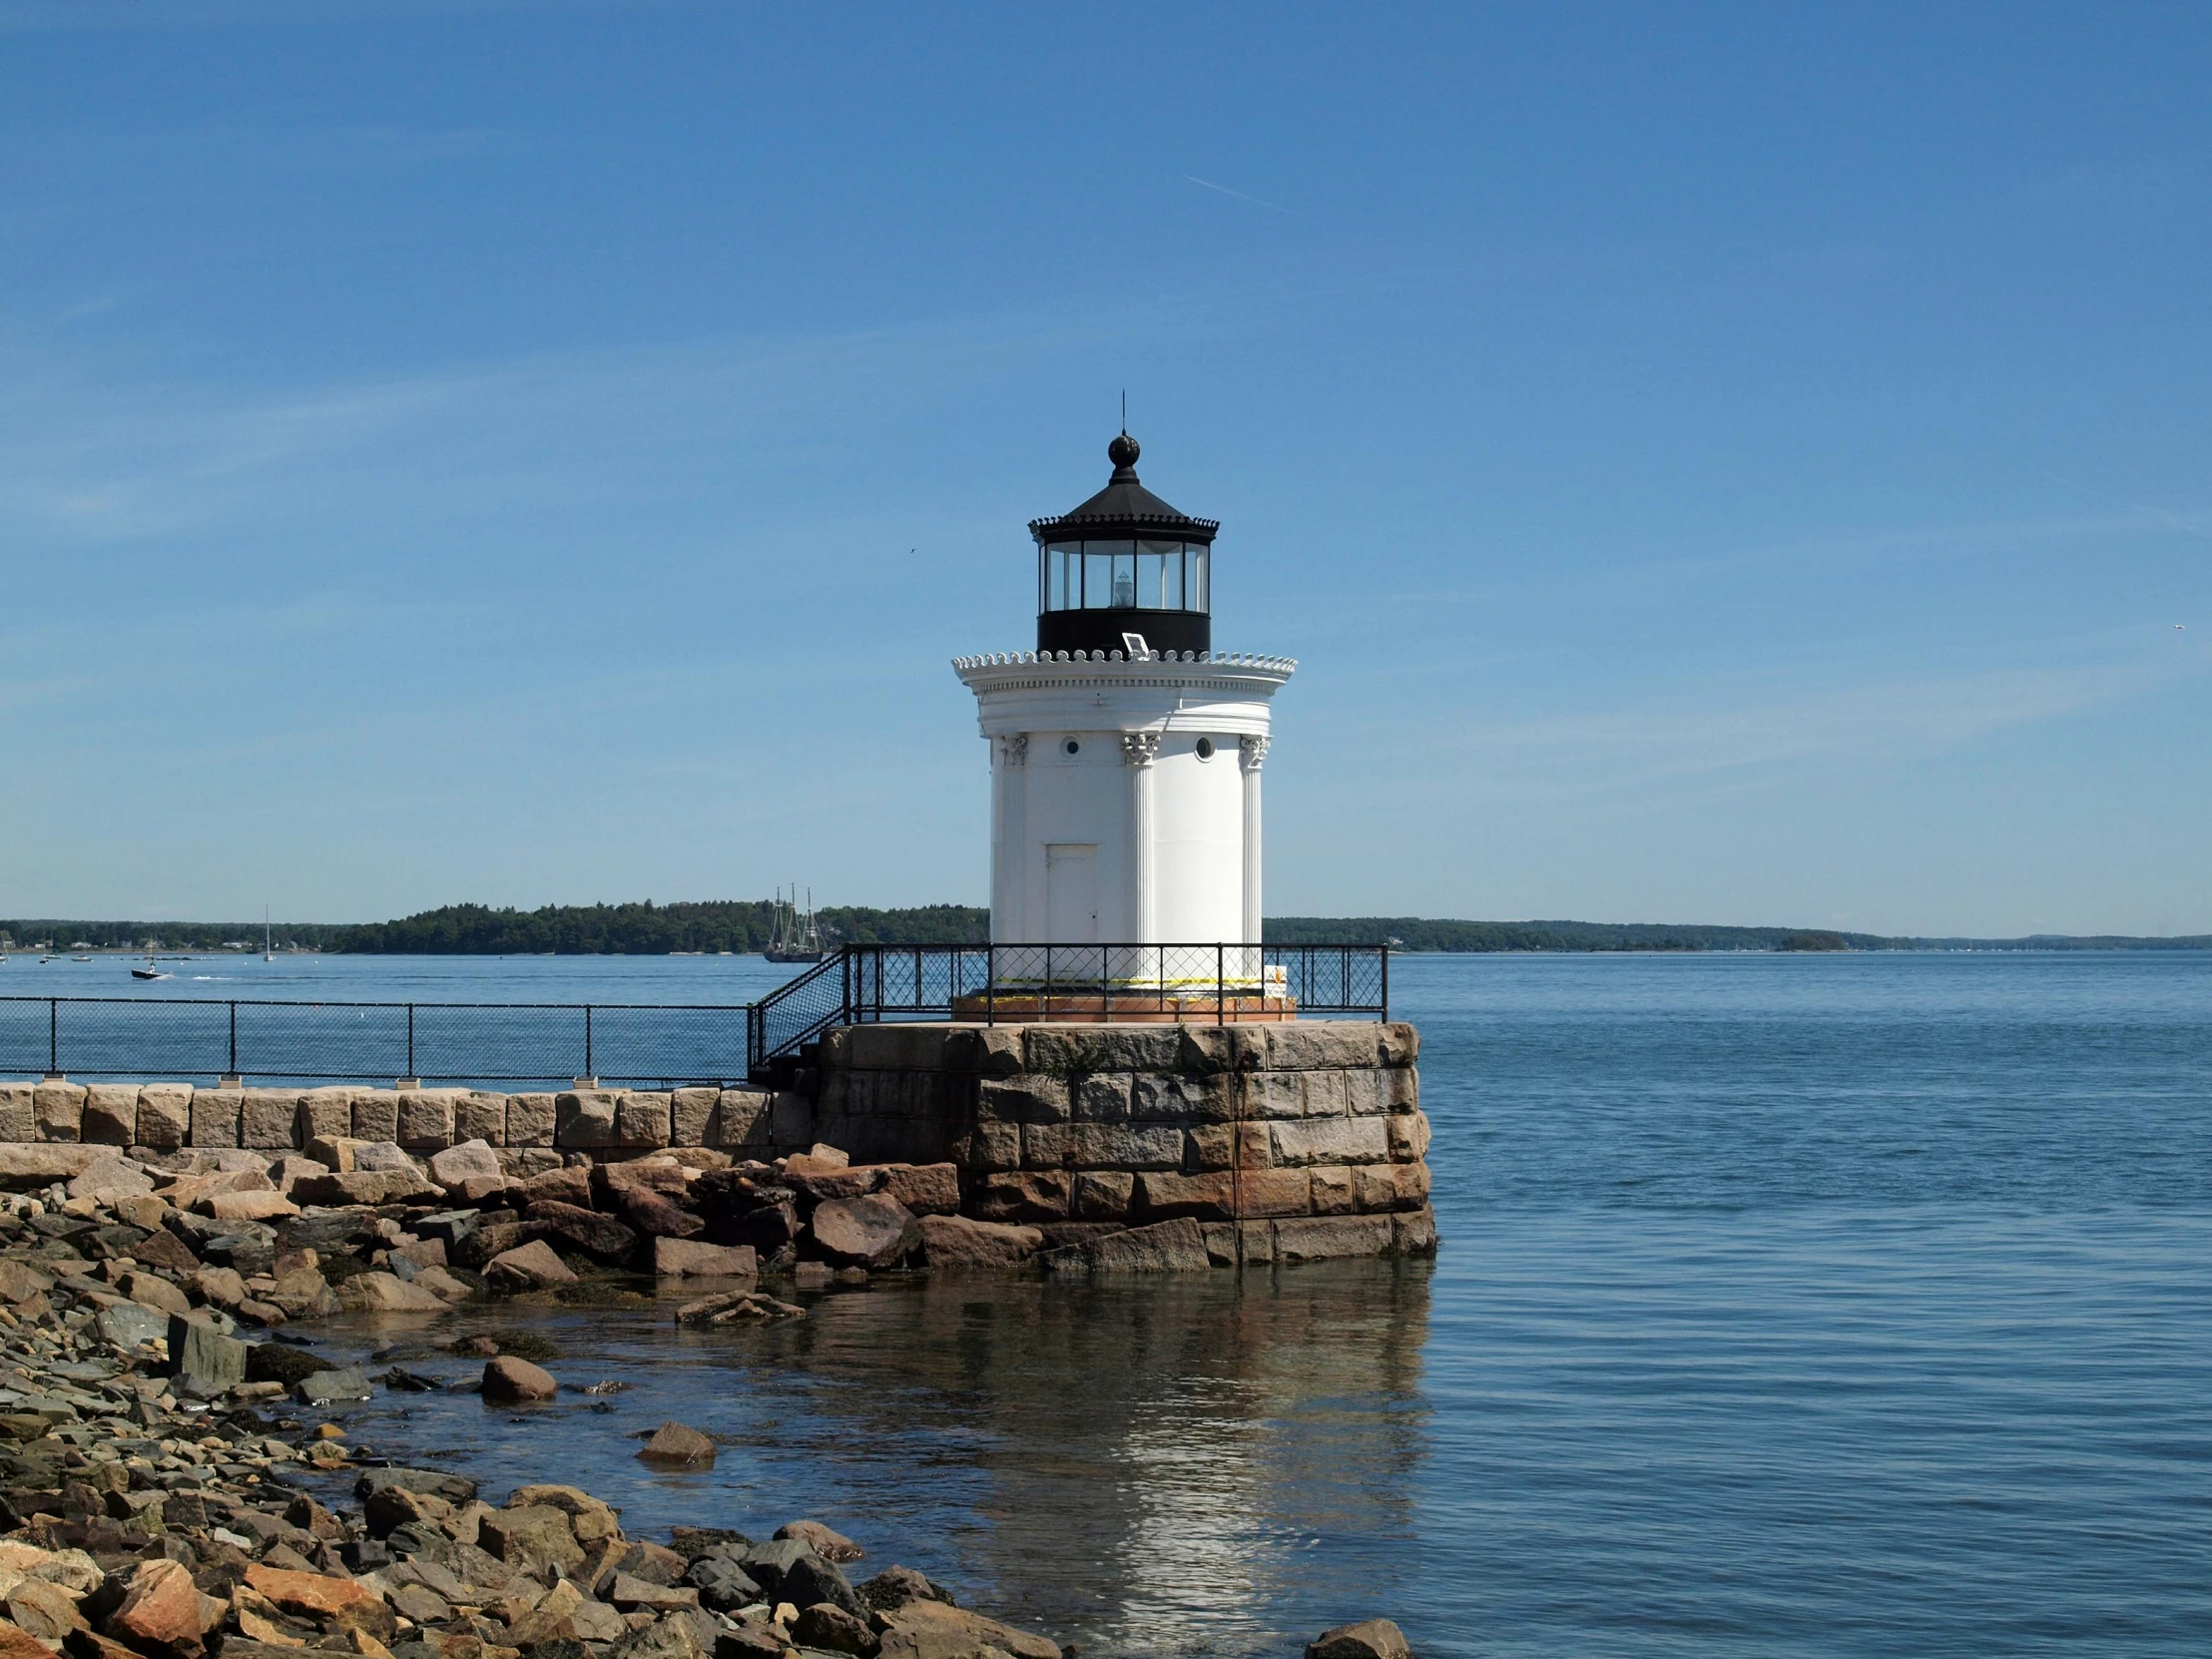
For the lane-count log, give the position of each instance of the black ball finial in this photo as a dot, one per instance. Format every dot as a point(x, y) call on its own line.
point(1123, 451)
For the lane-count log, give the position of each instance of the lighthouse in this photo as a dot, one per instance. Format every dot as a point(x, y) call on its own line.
point(1126, 752)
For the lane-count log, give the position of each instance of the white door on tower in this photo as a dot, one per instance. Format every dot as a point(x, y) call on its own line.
point(1071, 893)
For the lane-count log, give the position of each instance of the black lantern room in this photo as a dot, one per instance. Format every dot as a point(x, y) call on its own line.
point(1124, 562)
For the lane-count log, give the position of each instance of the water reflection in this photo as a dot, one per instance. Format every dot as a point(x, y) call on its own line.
point(1178, 1464)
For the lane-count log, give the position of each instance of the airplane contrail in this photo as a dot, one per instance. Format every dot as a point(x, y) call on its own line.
point(1239, 196)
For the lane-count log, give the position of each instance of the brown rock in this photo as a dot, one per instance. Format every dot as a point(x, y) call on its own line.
point(532, 1536)
point(512, 1382)
point(954, 1244)
point(469, 1161)
point(111, 1114)
point(851, 1181)
point(383, 1292)
point(531, 1266)
point(602, 1237)
point(337, 1601)
point(1370, 1639)
point(363, 1187)
point(825, 1541)
point(558, 1186)
point(829, 1628)
point(672, 1442)
point(628, 1592)
point(691, 1259)
point(869, 1231)
point(932, 1630)
point(20, 1644)
point(1164, 1247)
point(19, 1281)
point(160, 1610)
point(150, 1289)
point(925, 1189)
point(268, 1206)
point(659, 1218)
point(44, 1610)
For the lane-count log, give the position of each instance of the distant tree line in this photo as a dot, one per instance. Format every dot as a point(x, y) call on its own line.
point(648, 929)
point(1421, 933)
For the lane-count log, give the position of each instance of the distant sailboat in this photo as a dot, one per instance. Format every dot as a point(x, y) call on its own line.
point(793, 937)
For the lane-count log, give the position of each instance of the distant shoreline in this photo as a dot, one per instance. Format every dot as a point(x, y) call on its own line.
point(743, 927)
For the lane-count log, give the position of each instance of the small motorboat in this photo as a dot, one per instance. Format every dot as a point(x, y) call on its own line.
point(80, 959)
point(148, 971)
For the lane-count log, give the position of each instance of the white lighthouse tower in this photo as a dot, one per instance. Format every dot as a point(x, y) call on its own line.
point(1126, 753)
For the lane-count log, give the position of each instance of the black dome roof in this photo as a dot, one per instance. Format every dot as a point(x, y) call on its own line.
point(1125, 507)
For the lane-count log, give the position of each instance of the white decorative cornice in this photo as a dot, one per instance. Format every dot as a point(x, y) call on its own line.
point(1219, 659)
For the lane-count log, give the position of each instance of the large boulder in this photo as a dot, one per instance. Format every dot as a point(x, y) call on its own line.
point(528, 1267)
point(457, 1166)
point(789, 1571)
point(342, 1602)
point(693, 1259)
point(531, 1536)
point(659, 1218)
point(933, 1630)
point(1176, 1246)
point(602, 1237)
point(873, 1231)
point(925, 1189)
point(512, 1382)
point(198, 1353)
point(162, 1610)
point(674, 1443)
point(955, 1244)
point(1368, 1639)
point(383, 1292)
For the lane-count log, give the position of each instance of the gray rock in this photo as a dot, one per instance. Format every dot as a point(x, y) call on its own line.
point(384, 1155)
point(723, 1584)
point(327, 1386)
point(200, 1353)
point(127, 1324)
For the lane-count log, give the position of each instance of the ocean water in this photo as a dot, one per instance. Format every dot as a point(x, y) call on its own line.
point(1787, 1304)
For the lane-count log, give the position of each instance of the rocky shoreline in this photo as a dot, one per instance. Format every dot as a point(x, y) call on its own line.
point(162, 1443)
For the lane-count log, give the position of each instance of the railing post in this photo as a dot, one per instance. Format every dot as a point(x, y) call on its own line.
point(1044, 999)
point(233, 1071)
point(1221, 985)
point(1105, 987)
point(588, 1069)
point(53, 1036)
point(990, 984)
point(411, 1072)
point(1385, 984)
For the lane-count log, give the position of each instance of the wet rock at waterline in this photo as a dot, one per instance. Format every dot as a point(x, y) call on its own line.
point(512, 1382)
point(675, 1444)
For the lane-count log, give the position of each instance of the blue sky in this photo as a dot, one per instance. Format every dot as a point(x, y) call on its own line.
point(1728, 464)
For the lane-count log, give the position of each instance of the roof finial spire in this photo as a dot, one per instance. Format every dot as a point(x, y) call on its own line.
point(1123, 450)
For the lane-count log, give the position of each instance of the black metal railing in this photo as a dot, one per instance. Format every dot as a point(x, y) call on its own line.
point(664, 1045)
point(443, 1042)
point(1200, 984)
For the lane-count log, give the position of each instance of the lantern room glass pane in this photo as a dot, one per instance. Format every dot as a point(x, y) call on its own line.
point(1098, 579)
point(1197, 588)
point(1148, 581)
point(1057, 559)
point(1125, 581)
point(1171, 579)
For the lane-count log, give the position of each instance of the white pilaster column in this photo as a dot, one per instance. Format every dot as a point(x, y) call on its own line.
point(1137, 751)
point(1250, 751)
point(1009, 836)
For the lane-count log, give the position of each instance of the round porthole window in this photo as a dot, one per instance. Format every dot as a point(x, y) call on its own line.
point(1071, 747)
point(1205, 748)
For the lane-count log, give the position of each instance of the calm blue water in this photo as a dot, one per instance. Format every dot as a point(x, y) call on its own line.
point(1787, 1305)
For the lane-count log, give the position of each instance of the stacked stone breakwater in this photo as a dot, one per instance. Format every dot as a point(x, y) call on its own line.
point(1082, 1146)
